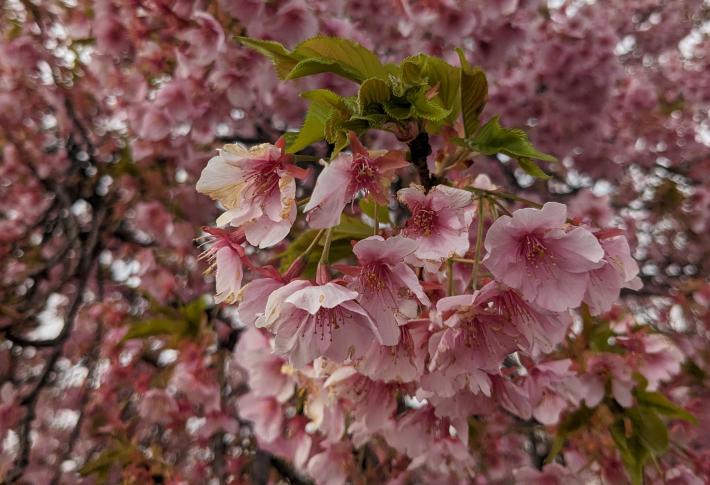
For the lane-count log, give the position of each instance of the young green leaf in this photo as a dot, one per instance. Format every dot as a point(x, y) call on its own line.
point(283, 60)
point(649, 429)
point(429, 109)
point(474, 94)
point(492, 138)
point(531, 168)
point(313, 128)
point(632, 453)
point(442, 80)
point(340, 56)
point(372, 91)
point(662, 405)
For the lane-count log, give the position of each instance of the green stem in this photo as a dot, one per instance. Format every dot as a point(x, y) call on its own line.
point(501, 207)
point(313, 243)
point(326, 247)
point(463, 260)
point(479, 244)
point(505, 195)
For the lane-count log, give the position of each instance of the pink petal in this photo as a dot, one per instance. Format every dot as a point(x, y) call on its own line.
point(314, 298)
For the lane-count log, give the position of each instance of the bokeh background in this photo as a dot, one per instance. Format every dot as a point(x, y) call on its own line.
point(109, 110)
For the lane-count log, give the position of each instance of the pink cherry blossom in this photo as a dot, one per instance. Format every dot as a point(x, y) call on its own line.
point(536, 252)
point(552, 387)
point(361, 392)
point(330, 466)
point(346, 176)
point(265, 413)
point(267, 375)
point(309, 321)
point(542, 329)
point(253, 298)
point(620, 270)
point(607, 368)
point(471, 343)
point(225, 257)
point(388, 288)
point(258, 189)
point(439, 220)
point(403, 362)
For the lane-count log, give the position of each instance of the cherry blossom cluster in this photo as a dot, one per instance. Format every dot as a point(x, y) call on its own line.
point(392, 339)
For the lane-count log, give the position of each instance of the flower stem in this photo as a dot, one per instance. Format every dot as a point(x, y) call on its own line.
point(479, 244)
point(313, 243)
point(501, 207)
point(300, 263)
point(322, 269)
point(505, 195)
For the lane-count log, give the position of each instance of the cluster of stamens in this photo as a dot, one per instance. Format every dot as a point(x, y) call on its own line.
point(422, 221)
point(327, 320)
point(265, 179)
point(373, 278)
point(364, 173)
point(535, 254)
point(511, 306)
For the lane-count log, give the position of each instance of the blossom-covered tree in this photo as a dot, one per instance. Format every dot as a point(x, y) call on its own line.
point(363, 242)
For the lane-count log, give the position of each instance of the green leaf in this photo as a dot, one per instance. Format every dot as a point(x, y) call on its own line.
point(296, 247)
point(445, 79)
point(326, 97)
point(155, 326)
point(321, 54)
point(441, 79)
point(531, 168)
point(474, 94)
point(632, 453)
point(662, 405)
point(313, 128)
point(372, 209)
point(351, 228)
point(398, 109)
point(429, 109)
point(340, 56)
point(649, 429)
point(373, 91)
point(324, 105)
point(492, 138)
point(283, 60)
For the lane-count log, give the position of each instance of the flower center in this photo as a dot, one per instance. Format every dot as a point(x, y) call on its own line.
point(532, 249)
point(327, 320)
point(364, 174)
point(372, 278)
point(265, 179)
point(511, 306)
point(422, 221)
